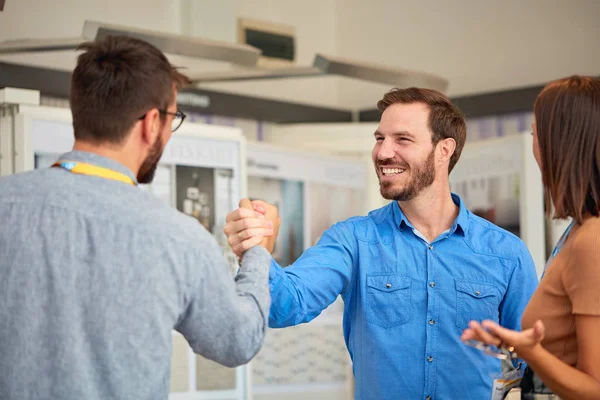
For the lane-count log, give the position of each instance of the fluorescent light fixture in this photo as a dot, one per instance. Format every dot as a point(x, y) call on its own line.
point(238, 54)
point(330, 65)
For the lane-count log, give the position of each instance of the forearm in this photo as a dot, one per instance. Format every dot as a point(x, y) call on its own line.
point(239, 337)
point(253, 277)
point(286, 308)
point(565, 381)
point(249, 319)
point(303, 290)
point(298, 293)
point(228, 324)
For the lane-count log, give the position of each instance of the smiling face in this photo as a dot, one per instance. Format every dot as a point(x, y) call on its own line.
point(404, 155)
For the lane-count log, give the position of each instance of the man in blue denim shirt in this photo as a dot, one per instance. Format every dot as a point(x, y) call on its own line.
point(413, 273)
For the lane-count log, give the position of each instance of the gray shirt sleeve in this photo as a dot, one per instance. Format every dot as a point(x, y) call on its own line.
point(226, 319)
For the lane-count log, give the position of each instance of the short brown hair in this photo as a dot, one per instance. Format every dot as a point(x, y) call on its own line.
point(115, 82)
point(445, 119)
point(567, 117)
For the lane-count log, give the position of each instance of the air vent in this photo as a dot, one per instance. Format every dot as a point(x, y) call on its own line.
point(277, 42)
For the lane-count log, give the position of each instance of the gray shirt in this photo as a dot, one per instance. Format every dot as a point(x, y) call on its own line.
point(95, 274)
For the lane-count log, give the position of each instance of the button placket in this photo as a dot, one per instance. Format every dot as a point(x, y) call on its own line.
point(433, 298)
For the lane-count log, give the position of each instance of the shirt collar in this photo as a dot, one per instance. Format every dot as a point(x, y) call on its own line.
point(460, 224)
point(98, 160)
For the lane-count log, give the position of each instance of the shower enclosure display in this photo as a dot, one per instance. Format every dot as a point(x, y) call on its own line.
point(312, 192)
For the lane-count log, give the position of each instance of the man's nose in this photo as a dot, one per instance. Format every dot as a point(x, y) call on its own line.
point(386, 150)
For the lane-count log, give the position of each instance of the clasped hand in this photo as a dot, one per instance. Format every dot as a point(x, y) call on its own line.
point(254, 223)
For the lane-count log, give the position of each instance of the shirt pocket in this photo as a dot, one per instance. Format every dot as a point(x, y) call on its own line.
point(388, 299)
point(475, 301)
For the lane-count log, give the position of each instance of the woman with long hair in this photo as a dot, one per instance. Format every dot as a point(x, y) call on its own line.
point(560, 340)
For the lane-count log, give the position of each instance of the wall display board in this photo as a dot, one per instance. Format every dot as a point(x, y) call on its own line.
point(355, 140)
point(499, 180)
point(312, 192)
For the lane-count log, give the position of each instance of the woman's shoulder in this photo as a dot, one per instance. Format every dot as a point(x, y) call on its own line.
point(588, 231)
point(585, 242)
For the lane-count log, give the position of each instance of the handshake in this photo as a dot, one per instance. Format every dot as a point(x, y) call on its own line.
point(254, 223)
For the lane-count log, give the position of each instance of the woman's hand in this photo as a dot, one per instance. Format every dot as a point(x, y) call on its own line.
point(491, 333)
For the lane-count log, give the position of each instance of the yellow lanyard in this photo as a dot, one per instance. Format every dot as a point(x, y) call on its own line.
point(77, 167)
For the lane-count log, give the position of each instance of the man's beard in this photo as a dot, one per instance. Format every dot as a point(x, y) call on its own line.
point(148, 167)
point(422, 176)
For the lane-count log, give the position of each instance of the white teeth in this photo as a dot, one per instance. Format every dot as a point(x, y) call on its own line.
point(392, 171)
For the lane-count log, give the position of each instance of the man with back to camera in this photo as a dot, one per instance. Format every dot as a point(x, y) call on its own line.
point(411, 274)
point(96, 273)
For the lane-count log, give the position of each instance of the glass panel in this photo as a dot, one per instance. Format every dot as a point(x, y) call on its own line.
point(195, 193)
point(326, 209)
point(303, 354)
point(495, 198)
point(288, 197)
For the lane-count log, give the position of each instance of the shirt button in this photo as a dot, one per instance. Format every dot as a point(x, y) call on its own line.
point(432, 284)
point(477, 293)
point(430, 247)
point(428, 398)
point(388, 285)
point(430, 359)
point(431, 322)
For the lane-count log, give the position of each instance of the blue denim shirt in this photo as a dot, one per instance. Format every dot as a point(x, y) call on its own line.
point(407, 301)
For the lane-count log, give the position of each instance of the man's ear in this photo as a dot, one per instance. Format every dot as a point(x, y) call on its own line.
point(446, 148)
point(151, 126)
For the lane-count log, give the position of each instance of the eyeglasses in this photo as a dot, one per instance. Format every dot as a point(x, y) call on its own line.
point(178, 119)
point(503, 353)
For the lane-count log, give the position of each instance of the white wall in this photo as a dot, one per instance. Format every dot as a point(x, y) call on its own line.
point(314, 21)
point(64, 18)
point(478, 45)
point(315, 24)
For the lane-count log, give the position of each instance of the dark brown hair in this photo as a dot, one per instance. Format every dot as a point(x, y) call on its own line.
point(445, 119)
point(115, 82)
point(567, 118)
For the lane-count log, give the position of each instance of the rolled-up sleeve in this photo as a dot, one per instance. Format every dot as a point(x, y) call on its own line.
point(300, 292)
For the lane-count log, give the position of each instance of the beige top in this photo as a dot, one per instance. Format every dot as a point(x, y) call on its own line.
point(570, 286)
